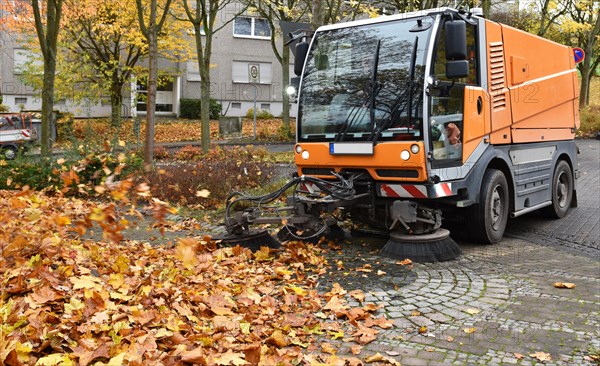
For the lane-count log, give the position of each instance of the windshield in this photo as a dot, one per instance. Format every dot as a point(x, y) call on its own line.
point(361, 83)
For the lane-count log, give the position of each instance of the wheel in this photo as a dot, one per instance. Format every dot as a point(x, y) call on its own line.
point(9, 152)
point(562, 191)
point(487, 220)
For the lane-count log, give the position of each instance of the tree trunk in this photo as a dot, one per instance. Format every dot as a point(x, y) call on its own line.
point(151, 100)
point(47, 104)
point(116, 101)
point(584, 88)
point(205, 113)
point(317, 13)
point(285, 113)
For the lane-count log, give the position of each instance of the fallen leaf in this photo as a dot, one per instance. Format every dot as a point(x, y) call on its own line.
point(356, 349)
point(541, 356)
point(392, 353)
point(358, 295)
point(404, 262)
point(518, 356)
point(469, 330)
point(328, 348)
point(450, 339)
point(374, 358)
point(568, 285)
point(473, 311)
point(422, 329)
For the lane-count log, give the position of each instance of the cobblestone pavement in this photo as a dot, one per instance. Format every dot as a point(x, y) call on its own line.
point(502, 295)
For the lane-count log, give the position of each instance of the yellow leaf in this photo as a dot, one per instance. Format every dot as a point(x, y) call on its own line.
point(55, 359)
point(186, 252)
point(568, 285)
point(86, 282)
point(473, 311)
point(469, 330)
point(541, 356)
point(298, 290)
point(73, 305)
point(118, 360)
point(422, 329)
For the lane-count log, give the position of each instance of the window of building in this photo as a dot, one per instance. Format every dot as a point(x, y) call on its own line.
point(265, 106)
point(236, 105)
point(251, 27)
point(240, 73)
point(164, 94)
point(20, 101)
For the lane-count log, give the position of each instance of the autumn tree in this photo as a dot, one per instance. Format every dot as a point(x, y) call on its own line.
point(106, 36)
point(584, 29)
point(152, 18)
point(44, 18)
point(203, 15)
point(274, 12)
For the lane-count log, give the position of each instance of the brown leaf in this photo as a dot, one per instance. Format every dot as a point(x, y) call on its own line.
point(364, 335)
point(356, 349)
point(278, 339)
point(568, 285)
point(518, 356)
point(358, 295)
point(197, 355)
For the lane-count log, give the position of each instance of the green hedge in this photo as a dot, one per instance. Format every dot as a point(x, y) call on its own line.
point(190, 108)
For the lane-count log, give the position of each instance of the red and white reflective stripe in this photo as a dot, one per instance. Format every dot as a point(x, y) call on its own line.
point(309, 187)
point(26, 133)
point(403, 190)
point(443, 189)
point(415, 191)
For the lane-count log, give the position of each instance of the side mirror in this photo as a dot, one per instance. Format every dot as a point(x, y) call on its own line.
point(457, 65)
point(300, 56)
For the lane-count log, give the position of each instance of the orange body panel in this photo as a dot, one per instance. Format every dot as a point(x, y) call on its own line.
point(542, 89)
point(476, 125)
point(385, 156)
point(499, 102)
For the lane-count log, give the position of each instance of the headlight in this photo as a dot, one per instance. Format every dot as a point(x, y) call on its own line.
point(405, 155)
point(298, 149)
point(305, 155)
point(290, 90)
point(414, 149)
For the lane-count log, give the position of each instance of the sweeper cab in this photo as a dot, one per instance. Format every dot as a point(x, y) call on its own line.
point(404, 120)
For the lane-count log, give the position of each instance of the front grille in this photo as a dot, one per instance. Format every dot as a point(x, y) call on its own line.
point(317, 171)
point(395, 173)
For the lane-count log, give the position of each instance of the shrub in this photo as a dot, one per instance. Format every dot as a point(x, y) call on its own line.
point(161, 153)
point(188, 152)
point(260, 114)
point(220, 171)
point(78, 172)
point(190, 108)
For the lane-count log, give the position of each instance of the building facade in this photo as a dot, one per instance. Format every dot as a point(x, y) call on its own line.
point(243, 68)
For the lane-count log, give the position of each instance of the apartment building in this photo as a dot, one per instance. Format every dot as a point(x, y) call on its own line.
point(243, 68)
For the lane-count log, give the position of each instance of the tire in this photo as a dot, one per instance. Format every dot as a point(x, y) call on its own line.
point(9, 152)
point(562, 191)
point(487, 220)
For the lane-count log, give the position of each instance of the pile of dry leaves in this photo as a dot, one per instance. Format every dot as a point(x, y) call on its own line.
point(72, 301)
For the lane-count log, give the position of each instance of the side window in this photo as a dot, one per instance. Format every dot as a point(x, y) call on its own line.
point(447, 101)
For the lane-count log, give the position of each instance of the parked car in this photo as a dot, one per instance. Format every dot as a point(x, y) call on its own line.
point(16, 132)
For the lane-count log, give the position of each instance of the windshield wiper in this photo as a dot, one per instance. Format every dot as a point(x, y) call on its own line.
point(405, 97)
point(373, 87)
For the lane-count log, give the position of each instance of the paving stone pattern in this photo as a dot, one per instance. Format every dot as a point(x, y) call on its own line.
point(505, 292)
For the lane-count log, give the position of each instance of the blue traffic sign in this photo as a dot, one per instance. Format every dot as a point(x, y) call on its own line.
point(578, 54)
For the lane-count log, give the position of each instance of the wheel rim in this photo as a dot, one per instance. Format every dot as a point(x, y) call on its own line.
point(9, 154)
point(562, 189)
point(497, 207)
